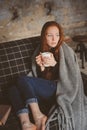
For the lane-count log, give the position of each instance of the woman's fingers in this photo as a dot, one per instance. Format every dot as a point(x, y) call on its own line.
point(39, 60)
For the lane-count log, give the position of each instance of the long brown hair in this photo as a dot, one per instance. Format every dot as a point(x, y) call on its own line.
point(44, 46)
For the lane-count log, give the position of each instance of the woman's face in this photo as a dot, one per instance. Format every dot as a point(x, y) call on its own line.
point(52, 36)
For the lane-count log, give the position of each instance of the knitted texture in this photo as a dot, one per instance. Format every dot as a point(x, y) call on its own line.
point(72, 103)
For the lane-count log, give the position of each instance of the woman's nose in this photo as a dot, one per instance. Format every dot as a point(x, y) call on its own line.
point(53, 38)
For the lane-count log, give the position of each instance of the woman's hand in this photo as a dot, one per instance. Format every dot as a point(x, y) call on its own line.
point(40, 62)
point(49, 61)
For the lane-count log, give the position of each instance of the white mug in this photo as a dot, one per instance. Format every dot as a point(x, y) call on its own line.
point(45, 54)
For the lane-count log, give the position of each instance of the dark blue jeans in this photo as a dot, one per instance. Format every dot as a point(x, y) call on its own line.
point(31, 89)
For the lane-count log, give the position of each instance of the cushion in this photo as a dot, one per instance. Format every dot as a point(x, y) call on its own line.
point(15, 60)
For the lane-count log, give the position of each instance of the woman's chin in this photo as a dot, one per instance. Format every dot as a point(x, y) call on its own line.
point(53, 46)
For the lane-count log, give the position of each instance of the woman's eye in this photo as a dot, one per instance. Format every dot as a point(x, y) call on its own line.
point(58, 35)
point(49, 35)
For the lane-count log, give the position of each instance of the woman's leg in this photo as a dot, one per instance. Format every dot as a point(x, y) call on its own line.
point(20, 109)
point(39, 117)
point(34, 89)
point(25, 122)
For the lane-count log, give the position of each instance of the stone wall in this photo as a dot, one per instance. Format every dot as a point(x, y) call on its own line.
point(24, 18)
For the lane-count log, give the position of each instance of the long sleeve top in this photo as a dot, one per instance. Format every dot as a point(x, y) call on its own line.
point(50, 73)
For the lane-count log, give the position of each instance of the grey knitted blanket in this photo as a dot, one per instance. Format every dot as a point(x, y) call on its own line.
point(70, 94)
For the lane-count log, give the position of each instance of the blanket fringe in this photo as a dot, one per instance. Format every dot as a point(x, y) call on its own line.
point(63, 122)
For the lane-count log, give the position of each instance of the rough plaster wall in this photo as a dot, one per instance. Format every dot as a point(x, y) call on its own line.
point(72, 14)
point(24, 18)
point(26, 22)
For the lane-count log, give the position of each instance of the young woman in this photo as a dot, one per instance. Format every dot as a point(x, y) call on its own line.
point(30, 91)
point(53, 77)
